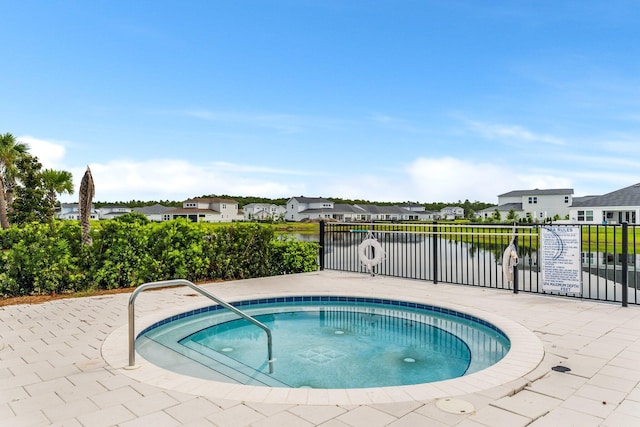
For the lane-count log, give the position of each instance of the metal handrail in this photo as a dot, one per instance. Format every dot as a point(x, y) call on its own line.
point(182, 282)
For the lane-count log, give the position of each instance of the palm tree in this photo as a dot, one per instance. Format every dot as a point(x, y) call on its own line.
point(10, 152)
point(56, 182)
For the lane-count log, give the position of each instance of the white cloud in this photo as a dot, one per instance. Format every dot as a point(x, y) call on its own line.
point(511, 133)
point(451, 179)
point(161, 179)
point(50, 153)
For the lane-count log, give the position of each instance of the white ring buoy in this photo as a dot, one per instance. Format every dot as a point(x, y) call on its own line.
point(378, 253)
point(509, 260)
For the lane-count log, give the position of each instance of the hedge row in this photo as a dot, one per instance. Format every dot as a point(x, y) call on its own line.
point(126, 252)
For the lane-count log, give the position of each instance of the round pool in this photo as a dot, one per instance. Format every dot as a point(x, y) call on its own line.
point(325, 342)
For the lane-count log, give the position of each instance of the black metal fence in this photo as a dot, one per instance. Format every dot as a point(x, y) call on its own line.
point(471, 254)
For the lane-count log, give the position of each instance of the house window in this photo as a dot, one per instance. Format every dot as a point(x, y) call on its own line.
point(166, 217)
point(566, 199)
point(190, 205)
point(585, 215)
point(533, 200)
point(224, 206)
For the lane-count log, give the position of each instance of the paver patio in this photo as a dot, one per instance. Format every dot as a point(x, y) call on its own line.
point(52, 369)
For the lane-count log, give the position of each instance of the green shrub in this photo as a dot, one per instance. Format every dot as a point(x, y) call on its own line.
point(48, 258)
point(40, 263)
point(293, 256)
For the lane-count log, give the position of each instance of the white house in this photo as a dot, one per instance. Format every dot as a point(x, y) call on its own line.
point(452, 212)
point(536, 204)
point(612, 208)
point(72, 211)
point(206, 209)
point(264, 211)
point(308, 208)
point(422, 213)
point(299, 208)
point(347, 213)
point(110, 212)
point(154, 212)
point(393, 213)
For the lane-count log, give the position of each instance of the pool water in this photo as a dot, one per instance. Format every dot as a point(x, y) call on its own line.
point(326, 344)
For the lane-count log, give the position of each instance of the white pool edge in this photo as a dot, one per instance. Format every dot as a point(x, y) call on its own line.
point(524, 356)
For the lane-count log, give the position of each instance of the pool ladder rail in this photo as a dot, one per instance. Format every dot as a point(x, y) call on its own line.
point(182, 282)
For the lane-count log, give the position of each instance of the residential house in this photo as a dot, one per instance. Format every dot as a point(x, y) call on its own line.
point(206, 209)
point(389, 213)
point(264, 211)
point(612, 208)
point(452, 212)
point(299, 208)
point(422, 213)
point(349, 213)
point(72, 211)
point(110, 212)
point(539, 205)
point(306, 208)
point(153, 213)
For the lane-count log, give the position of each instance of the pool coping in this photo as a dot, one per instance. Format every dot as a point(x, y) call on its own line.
point(525, 355)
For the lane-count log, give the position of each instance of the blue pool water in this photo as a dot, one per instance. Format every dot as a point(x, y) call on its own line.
point(325, 342)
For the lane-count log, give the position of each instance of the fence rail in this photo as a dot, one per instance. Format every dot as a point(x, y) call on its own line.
point(468, 254)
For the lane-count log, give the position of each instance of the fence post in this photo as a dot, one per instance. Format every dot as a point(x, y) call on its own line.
point(625, 264)
point(515, 267)
point(434, 256)
point(321, 248)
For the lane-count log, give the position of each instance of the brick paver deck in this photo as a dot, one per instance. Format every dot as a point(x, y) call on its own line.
point(52, 369)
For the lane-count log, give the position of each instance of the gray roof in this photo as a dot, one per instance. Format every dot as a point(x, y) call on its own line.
point(303, 199)
point(386, 210)
point(579, 200)
point(504, 208)
point(342, 207)
point(337, 208)
point(152, 210)
point(628, 196)
point(537, 192)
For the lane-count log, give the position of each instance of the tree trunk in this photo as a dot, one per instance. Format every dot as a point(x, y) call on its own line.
point(87, 190)
point(4, 220)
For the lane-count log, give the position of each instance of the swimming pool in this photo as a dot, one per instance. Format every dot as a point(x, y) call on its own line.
point(325, 342)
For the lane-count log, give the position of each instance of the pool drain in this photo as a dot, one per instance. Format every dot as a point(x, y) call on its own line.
point(339, 332)
point(227, 350)
point(409, 360)
point(455, 406)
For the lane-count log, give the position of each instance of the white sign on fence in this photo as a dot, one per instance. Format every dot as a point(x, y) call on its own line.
point(560, 259)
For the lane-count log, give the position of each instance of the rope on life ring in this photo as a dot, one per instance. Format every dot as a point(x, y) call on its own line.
point(370, 245)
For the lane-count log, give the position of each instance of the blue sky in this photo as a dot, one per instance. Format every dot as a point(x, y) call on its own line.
point(381, 100)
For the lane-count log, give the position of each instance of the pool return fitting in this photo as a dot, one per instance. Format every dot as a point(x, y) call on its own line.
point(182, 282)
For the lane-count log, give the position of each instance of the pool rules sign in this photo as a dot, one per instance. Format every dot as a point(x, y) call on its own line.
point(560, 259)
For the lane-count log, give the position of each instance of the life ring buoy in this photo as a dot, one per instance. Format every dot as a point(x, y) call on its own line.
point(509, 260)
point(378, 252)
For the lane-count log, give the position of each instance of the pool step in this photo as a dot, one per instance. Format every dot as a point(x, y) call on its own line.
point(210, 364)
